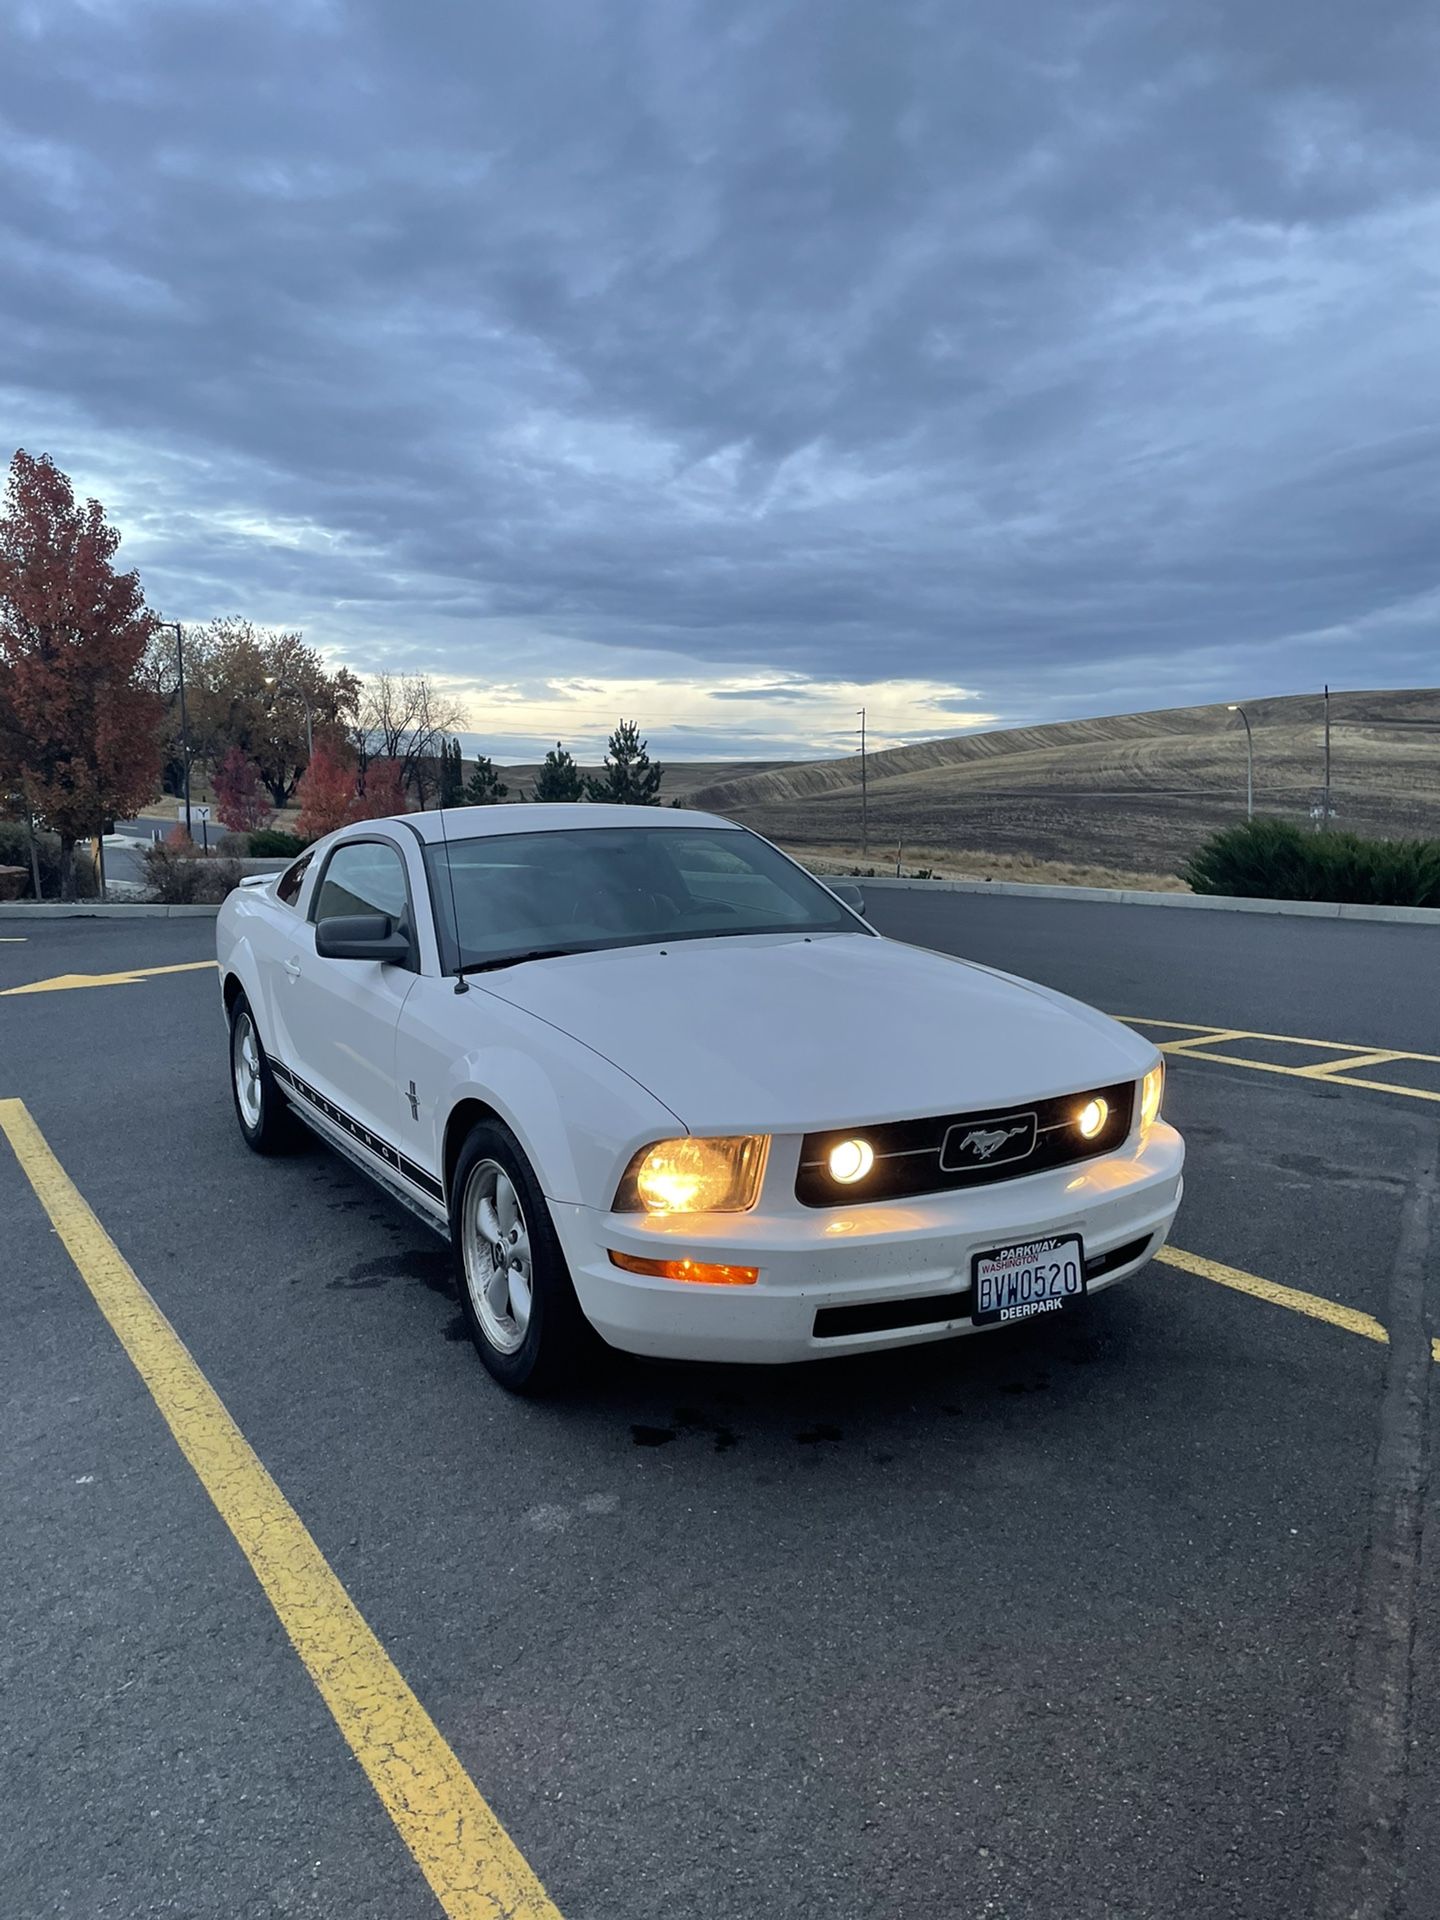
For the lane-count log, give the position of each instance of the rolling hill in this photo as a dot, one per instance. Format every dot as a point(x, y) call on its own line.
point(1130, 793)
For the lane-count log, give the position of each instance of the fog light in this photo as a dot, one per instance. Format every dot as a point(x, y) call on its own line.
point(850, 1161)
point(1092, 1117)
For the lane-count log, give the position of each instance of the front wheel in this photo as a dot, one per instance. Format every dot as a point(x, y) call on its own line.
point(266, 1122)
point(515, 1289)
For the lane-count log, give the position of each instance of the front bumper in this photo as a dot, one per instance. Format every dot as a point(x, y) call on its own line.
point(895, 1253)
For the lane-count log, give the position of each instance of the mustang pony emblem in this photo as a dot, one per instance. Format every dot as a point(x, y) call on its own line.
point(988, 1141)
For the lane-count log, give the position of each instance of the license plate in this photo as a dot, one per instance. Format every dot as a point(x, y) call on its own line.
point(1038, 1276)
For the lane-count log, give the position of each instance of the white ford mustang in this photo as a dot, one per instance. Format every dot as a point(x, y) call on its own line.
point(655, 1081)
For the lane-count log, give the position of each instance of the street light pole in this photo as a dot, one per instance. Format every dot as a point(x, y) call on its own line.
point(184, 717)
point(1249, 764)
point(864, 792)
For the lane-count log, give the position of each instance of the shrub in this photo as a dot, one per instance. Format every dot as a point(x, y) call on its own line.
point(15, 852)
point(272, 843)
point(1277, 860)
point(179, 877)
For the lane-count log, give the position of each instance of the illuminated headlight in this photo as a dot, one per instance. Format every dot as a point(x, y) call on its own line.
point(695, 1176)
point(851, 1160)
point(1152, 1092)
point(1092, 1117)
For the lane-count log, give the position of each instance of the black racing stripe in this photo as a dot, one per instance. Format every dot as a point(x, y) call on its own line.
point(417, 1176)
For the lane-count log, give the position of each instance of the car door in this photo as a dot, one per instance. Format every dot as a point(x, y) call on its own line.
point(340, 1016)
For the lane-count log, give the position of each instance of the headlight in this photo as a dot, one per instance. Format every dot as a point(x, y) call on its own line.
point(1152, 1092)
point(695, 1176)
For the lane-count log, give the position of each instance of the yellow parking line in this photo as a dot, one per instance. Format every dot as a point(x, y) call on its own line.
point(64, 981)
point(471, 1863)
point(1200, 1043)
point(1312, 1304)
point(1323, 1068)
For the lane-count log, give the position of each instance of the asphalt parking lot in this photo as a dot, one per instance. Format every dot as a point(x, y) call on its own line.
point(1130, 1612)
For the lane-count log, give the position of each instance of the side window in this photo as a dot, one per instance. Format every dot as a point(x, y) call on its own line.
point(287, 887)
point(363, 876)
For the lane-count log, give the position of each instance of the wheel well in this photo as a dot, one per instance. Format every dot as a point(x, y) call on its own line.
point(467, 1114)
point(231, 991)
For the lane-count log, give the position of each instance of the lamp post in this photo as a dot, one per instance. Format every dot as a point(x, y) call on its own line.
point(1249, 763)
point(281, 686)
point(184, 719)
point(864, 790)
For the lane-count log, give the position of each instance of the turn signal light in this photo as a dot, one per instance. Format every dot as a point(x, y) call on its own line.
point(707, 1273)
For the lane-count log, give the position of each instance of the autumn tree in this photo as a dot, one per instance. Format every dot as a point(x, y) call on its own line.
point(258, 689)
point(559, 778)
point(79, 729)
point(406, 717)
point(383, 793)
point(327, 794)
point(484, 787)
point(240, 799)
point(630, 778)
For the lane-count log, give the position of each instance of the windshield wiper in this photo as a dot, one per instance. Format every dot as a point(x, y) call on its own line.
point(518, 959)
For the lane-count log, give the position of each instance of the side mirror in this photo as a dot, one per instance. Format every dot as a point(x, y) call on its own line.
point(361, 936)
point(847, 891)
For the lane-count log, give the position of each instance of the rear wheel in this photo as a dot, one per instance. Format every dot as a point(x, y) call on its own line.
point(515, 1289)
point(265, 1120)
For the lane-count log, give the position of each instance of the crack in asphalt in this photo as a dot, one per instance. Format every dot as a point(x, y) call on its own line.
point(1363, 1875)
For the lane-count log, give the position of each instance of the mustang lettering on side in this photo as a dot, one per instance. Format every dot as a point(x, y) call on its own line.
point(663, 1089)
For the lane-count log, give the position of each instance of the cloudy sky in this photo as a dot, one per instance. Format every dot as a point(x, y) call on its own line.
point(730, 362)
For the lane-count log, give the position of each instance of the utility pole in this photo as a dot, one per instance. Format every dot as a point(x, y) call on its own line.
point(1325, 817)
point(184, 718)
point(864, 792)
point(1249, 764)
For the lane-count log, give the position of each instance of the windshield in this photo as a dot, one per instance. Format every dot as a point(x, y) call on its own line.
point(577, 890)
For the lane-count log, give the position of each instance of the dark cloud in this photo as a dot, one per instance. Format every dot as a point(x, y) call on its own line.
point(1083, 356)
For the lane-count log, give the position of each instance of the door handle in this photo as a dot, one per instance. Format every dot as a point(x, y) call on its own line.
point(292, 967)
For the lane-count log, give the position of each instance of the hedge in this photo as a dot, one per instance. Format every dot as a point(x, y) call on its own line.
point(1277, 860)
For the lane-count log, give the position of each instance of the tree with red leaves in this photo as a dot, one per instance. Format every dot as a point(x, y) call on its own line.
point(384, 791)
point(79, 732)
point(240, 801)
point(326, 794)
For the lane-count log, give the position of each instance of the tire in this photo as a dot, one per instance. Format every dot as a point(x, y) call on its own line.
point(266, 1123)
point(527, 1327)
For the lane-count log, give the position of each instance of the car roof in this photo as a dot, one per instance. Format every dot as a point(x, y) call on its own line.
point(474, 823)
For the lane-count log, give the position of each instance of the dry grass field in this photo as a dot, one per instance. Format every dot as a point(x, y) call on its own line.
point(1131, 794)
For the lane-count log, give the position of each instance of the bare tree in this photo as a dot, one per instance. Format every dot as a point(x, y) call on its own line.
point(406, 718)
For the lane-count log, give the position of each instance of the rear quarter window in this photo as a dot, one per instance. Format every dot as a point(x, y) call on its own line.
point(287, 887)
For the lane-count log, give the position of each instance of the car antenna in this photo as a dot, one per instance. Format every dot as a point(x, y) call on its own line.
point(462, 985)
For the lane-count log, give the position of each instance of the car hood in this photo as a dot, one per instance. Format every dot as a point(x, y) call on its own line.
point(779, 1034)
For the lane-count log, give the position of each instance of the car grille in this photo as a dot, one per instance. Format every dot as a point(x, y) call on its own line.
point(954, 1150)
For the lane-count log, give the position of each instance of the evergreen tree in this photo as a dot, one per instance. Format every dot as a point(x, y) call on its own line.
point(631, 778)
point(484, 787)
point(452, 775)
point(559, 778)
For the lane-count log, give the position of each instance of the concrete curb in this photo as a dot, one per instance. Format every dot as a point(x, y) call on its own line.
point(99, 910)
point(1135, 897)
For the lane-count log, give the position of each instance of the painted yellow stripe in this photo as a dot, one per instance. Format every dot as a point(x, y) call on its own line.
point(1302, 1073)
point(475, 1869)
point(1308, 1303)
point(63, 982)
point(1322, 1069)
point(1284, 1039)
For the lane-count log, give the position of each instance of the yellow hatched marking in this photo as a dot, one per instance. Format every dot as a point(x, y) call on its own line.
point(474, 1868)
point(1200, 1043)
point(63, 982)
point(1350, 1061)
point(1312, 1304)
